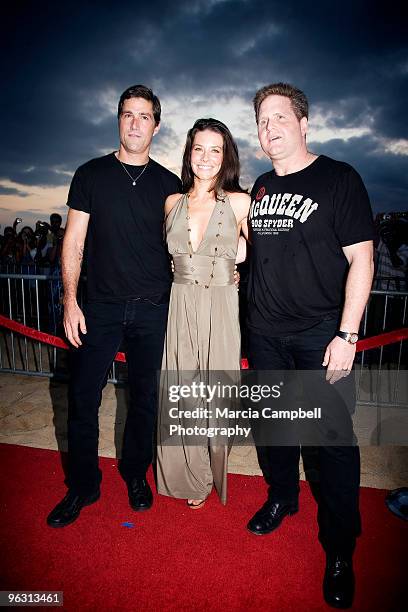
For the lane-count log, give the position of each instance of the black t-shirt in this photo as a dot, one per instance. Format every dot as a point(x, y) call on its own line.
point(126, 252)
point(299, 224)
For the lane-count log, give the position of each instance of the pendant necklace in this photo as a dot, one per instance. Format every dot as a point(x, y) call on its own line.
point(133, 179)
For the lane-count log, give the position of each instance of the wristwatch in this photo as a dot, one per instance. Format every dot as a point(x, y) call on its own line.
point(350, 337)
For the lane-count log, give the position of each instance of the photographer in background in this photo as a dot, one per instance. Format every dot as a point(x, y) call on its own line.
point(40, 234)
point(55, 239)
point(49, 246)
point(8, 252)
point(55, 223)
point(50, 237)
point(8, 246)
point(386, 309)
point(392, 252)
point(26, 247)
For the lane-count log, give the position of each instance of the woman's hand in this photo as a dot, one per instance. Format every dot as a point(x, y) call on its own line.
point(237, 277)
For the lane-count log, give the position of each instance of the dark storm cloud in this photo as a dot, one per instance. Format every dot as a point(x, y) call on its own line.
point(12, 191)
point(166, 140)
point(350, 58)
point(384, 174)
point(252, 165)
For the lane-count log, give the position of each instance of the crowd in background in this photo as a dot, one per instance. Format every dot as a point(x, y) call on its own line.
point(33, 252)
point(24, 250)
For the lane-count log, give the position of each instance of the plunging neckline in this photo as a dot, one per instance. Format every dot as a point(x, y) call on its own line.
point(194, 251)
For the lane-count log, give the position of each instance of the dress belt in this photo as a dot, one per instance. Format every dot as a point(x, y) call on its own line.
point(197, 270)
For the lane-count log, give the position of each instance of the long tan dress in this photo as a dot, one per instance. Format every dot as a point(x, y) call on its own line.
point(203, 338)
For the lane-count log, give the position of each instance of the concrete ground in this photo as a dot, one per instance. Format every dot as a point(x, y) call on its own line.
point(33, 412)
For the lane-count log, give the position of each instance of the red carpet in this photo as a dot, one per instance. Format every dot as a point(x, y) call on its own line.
point(177, 559)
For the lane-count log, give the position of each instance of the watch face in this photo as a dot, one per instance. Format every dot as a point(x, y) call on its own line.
point(353, 338)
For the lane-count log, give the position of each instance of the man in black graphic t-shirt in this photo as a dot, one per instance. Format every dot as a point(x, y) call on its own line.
point(310, 277)
point(117, 203)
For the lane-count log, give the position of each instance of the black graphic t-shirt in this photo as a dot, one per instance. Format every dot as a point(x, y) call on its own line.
point(298, 226)
point(126, 252)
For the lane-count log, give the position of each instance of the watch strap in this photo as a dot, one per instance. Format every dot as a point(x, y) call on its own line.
point(350, 337)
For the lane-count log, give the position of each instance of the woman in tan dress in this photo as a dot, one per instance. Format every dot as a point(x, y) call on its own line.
point(203, 226)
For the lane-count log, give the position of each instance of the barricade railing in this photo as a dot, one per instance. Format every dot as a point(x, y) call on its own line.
point(391, 283)
point(385, 311)
point(35, 301)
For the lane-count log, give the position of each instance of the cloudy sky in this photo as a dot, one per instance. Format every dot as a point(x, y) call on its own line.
point(65, 65)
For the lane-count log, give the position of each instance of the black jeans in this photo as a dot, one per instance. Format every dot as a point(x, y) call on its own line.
point(141, 323)
point(339, 466)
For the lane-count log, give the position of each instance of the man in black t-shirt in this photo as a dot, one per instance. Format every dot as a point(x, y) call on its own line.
point(310, 277)
point(116, 202)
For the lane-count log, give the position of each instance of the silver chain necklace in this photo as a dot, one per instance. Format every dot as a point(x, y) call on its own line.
point(129, 175)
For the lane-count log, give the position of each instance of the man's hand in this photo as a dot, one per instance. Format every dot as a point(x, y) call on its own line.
point(338, 358)
point(73, 319)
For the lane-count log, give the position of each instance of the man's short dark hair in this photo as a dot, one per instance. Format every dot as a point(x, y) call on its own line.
point(56, 216)
point(141, 91)
point(298, 100)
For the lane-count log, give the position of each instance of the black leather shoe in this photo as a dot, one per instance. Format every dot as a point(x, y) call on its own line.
point(338, 583)
point(140, 494)
point(270, 516)
point(68, 510)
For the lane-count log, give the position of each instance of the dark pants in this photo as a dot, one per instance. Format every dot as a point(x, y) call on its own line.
point(141, 324)
point(339, 466)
